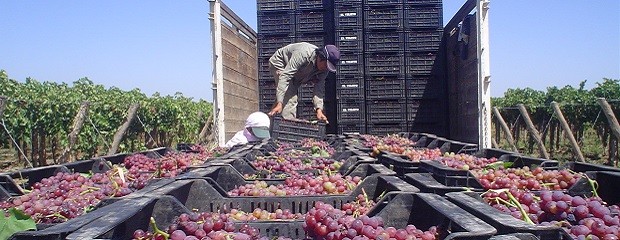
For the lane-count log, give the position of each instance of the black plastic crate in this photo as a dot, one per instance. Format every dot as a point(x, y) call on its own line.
point(585, 167)
point(383, 2)
point(14, 183)
point(267, 91)
point(203, 195)
point(384, 41)
point(425, 111)
point(386, 111)
point(350, 40)
point(384, 64)
point(275, 5)
point(344, 128)
point(385, 129)
point(423, 41)
point(400, 164)
point(426, 183)
point(351, 63)
point(422, 2)
point(350, 88)
point(348, 2)
point(263, 65)
point(310, 21)
point(420, 63)
point(351, 112)
point(349, 17)
point(607, 186)
point(265, 106)
point(223, 178)
point(424, 210)
point(450, 179)
point(295, 130)
point(309, 4)
point(268, 45)
point(306, 111)
point(504, 223)
point(305, 92)
point(422, 87)
point(423, 17)
point(265, 76)
point(515, 236)
point(354, 163)
point(383, 18)
point(385, 87)
point(281, 23)
point(314, 39)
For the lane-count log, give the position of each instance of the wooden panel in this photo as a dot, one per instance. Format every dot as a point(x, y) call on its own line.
point(462, 75)
point(240, 75)
point(230, 36)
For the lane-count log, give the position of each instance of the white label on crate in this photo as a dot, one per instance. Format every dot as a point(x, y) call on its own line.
point(350, 110)
point(349, 14)
point(348, 62)
point(348, 38)
point(349, 85)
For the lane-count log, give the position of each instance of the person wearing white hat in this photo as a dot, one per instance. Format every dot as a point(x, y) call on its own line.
point(296, 64)
point(256, 128)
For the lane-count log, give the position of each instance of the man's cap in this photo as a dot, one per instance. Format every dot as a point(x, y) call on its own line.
point(333, 56)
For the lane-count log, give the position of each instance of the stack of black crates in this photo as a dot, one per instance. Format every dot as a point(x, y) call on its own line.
point(281, 22)
point(401, 42)
point(387, 80)
point(351, 107)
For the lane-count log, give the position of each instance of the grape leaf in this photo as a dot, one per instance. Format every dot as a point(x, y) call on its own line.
point(497, 164)
point(16, 222)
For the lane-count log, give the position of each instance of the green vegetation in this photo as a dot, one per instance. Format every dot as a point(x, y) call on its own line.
point(39, 115)
point(579, 107)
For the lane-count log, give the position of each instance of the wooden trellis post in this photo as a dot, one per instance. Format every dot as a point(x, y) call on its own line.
point(613, 124)
point(535, 134)
point(568, 132)
point(611, 118)
point(131, 114)
point(506, 129)
point(78, 122)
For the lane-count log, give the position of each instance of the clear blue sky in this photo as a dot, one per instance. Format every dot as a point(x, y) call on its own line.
point(164, 46)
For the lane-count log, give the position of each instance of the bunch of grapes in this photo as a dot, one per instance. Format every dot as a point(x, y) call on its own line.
point(295, 186)
point(290, 164)
point(416, 155)
point(326, 222)
point(465, 161)
point(260, 214)
point(583, 218)
point(67, 195)
point(372, 141)
point(197, 226)
point(317, 144)
point(524, 178)
point(142, 168)
point(360, 206)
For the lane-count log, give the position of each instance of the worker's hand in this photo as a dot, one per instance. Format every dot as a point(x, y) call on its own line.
point(276, 109)
point(320, 116)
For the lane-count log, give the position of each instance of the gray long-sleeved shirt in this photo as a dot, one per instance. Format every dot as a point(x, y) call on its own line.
point(297, 62)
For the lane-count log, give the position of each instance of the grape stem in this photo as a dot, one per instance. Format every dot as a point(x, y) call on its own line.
point(526, 218)
point(499, 199)
point(157, 231)
point(593, 183)
point(58, 215)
